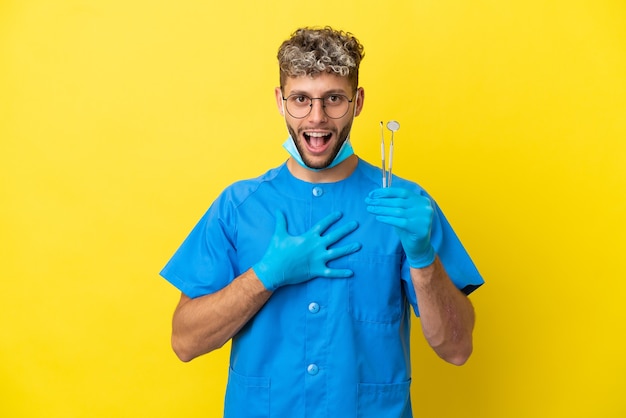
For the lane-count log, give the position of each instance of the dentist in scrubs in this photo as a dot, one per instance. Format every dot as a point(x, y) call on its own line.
point(313, 270)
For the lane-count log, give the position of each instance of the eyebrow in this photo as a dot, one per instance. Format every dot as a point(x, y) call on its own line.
point(326, 93)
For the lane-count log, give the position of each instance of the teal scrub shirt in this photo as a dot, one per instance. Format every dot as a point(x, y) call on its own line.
point(327, 347)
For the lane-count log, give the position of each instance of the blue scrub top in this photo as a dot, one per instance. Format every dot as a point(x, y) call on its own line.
point(327, 347)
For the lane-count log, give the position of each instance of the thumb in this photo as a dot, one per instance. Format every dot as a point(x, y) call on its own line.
point(281, 223)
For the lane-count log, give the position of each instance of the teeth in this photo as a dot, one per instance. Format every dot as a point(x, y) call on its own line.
point(316, 134)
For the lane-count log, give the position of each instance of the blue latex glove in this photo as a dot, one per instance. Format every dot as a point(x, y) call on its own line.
point(296, 259)
point(412, 217)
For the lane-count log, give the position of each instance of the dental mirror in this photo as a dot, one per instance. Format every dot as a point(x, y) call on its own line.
point(393, 125)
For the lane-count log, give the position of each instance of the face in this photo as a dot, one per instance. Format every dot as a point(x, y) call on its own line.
point(319, 138)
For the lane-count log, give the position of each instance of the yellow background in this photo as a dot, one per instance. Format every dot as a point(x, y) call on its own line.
point(120, 121)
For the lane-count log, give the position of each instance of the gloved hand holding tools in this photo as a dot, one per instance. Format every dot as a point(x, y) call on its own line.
point(411, 215)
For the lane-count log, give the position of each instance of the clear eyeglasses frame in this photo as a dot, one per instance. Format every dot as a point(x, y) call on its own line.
point(335, 106)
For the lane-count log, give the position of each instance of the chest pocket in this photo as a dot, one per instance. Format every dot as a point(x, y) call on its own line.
point(376, 293)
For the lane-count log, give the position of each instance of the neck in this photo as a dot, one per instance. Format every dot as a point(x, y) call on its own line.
point(331, 175)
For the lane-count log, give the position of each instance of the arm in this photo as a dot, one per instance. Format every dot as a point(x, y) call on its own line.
point(204, 324)
point(446, 314)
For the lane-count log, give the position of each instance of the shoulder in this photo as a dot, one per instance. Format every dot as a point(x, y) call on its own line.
point(240, 191)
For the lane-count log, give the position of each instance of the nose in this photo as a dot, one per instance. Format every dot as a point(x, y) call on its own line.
point(318, 114)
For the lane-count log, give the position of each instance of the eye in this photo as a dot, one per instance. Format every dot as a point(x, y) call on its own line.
point(334, 99)
point(299, 99)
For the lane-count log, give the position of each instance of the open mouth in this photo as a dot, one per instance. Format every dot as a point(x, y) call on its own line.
point(317, 141)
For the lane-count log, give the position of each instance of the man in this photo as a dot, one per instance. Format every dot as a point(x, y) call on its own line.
point(311, 268)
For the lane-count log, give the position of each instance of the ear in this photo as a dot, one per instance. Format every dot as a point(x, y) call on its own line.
point(279, 101)
point(360, 98)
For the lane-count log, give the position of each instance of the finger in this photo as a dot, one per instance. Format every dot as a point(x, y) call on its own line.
point(338, 273)
point(388, 211)
point(335, 253)
point(412, 203)
point(401, 223)
point(340, 232)
point(281, 222)
point(390, 202)
point(326, 222)
point(387, 192)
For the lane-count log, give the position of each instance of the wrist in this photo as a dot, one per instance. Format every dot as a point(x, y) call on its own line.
point(265, 276)
point(423, 259)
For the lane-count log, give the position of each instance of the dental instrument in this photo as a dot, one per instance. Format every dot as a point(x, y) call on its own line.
point(393, 126)
point(382, 153)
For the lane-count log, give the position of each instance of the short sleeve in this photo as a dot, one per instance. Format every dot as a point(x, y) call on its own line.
point(205, 261)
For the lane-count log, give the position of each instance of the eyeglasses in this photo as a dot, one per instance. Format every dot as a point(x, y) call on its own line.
point(335, 105)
